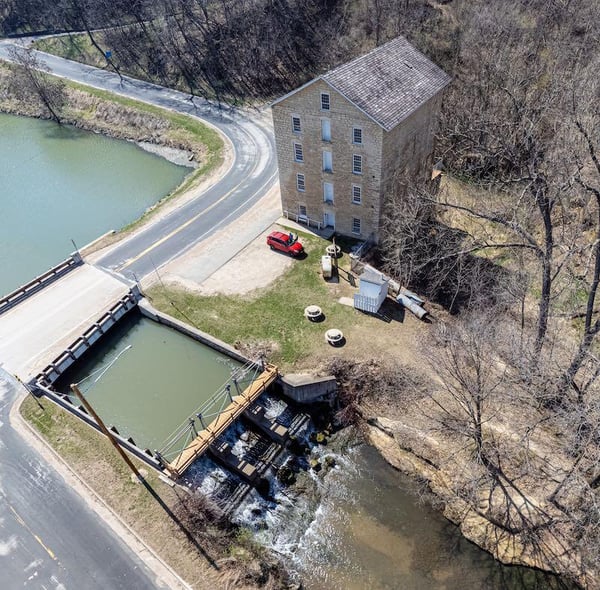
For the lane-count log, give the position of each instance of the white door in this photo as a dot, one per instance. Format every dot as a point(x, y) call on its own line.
point(329, 219)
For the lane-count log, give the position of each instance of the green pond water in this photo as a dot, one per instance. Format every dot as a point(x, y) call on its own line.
point(153, 386)
point(58, 184)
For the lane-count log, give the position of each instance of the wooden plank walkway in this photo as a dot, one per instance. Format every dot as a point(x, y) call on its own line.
point(226, 418)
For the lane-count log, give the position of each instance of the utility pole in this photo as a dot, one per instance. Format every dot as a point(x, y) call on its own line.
point(106, 431)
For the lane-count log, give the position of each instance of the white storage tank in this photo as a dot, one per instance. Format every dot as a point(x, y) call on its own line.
point(326, 266)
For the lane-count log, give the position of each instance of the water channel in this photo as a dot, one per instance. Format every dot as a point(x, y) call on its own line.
point(364, 528)
point(58, 183)
point(156, 383)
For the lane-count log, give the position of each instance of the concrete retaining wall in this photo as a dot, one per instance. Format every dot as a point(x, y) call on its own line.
point(79, 411)
point(37, 284)
point(162, 318)
point(306, 389)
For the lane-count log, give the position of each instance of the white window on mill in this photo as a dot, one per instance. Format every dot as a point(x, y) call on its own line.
point(298, 153)
point(357, 135)
point(325, 129)
point(356, 194)
point(300, 185)
point(357, 164)
point(328, 192)
point(327, 162)
point(325, 102)
point(356, 225)
point(296, 127)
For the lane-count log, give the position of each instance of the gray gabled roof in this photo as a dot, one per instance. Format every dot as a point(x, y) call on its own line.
point(388, 83)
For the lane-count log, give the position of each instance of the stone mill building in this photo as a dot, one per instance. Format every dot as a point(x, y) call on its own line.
point(343, 135)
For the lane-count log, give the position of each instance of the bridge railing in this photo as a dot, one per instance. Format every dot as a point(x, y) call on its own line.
point(84, 342)
point(18, 295)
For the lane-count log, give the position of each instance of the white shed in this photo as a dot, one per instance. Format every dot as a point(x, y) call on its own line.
point(373, 289)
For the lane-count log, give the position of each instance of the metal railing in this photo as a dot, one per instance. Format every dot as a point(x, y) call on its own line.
point(303, 219)
point(15, 297)
point(211, 408)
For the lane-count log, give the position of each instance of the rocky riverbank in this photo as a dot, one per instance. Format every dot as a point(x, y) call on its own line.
point(507, 506)
point(424, 458)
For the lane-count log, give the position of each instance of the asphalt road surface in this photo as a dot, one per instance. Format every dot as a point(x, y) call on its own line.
point(49, 538)
point(253, 172)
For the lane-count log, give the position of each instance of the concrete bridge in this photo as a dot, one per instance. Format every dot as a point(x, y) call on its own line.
point(52, 321)
point(41, 321)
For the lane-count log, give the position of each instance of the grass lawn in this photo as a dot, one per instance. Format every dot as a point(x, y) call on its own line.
point(275, 315)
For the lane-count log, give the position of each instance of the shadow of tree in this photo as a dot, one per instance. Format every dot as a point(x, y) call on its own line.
point(185, 530)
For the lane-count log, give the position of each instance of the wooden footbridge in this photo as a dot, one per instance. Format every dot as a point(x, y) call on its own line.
point(204, 439)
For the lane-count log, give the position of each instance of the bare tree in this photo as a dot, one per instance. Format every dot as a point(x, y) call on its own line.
point(421, 251)
point(586, 178)
point(31, 80)
point(463, 356)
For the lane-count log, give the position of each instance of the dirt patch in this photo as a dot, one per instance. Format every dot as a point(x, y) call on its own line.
point(255, 267)
point(176, 156)
point(233, 261)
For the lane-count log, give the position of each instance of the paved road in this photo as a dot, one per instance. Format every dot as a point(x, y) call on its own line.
point(253, 172)
point(49, 538)
point(35, 332)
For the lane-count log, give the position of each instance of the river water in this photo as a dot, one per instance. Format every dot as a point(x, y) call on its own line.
point(364, 529)
point(58, 184)
point(371, 532)
point(360, 526)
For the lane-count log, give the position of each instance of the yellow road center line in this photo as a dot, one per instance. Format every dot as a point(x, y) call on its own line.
point(175, 231)
point(36, 537)
point(188, 222)
point(48, 550)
